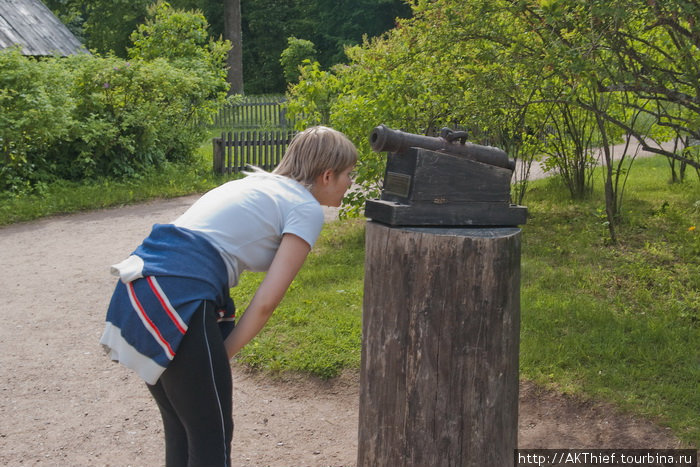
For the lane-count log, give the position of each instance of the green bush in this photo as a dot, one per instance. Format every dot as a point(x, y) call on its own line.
point(180, 37)
point(34, 111)
point(86, 116)
point(297, 51)
point(130, 115)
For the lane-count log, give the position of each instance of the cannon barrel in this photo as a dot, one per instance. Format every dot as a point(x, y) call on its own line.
point(383, 139)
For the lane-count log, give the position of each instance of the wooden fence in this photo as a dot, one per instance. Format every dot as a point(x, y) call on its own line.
point(264, 149)
point(252, 113)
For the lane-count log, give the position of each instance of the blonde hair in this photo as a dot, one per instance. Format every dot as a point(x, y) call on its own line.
point(315, 150)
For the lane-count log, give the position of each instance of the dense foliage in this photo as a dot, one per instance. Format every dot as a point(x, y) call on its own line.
point(294, 55)
point(105, 25)
point(561, 78)
point(86, 116)
point(33, 112)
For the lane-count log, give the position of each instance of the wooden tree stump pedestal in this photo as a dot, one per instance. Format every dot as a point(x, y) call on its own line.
point(441, 319)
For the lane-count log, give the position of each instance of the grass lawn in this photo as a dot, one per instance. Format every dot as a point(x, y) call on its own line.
point(616, 323)
point(317, 328)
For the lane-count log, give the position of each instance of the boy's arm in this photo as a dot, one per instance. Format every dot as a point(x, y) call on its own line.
point(286, 264)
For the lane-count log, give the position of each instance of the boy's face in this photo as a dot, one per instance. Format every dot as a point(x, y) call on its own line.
point(331, 186)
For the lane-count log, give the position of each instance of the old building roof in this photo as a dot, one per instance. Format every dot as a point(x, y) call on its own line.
point(31, 25)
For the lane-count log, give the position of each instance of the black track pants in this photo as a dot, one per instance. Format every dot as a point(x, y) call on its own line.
point(194, 397)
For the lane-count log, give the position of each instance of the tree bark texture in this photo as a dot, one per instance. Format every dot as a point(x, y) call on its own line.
point(441, 320)
point(233, 32)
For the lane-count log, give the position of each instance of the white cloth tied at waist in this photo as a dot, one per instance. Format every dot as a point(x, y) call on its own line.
point(128, 270)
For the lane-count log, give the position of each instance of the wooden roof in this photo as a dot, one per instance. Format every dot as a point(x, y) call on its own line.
point(31, 25)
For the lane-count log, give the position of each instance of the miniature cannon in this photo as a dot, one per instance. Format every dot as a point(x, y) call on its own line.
point(386, 139)
point(443, 181)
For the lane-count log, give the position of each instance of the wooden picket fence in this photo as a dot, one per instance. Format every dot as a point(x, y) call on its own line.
point(264, 149)
point(253, 112)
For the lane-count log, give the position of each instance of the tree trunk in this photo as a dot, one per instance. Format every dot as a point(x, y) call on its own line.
point(611, 207)
point(440, 344)
point(233, 32)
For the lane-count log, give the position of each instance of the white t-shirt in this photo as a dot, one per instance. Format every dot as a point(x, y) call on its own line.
point(245, 219)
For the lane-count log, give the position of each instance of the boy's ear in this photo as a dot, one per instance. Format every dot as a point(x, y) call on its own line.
point(327, 176)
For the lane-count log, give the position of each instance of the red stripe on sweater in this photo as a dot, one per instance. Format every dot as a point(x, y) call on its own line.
point(149, 324)
point(166, 306)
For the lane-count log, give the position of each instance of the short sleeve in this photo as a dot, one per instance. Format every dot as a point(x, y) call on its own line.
point(305, 221)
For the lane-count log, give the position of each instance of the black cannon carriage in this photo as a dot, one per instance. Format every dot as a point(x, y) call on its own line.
point(443, 181)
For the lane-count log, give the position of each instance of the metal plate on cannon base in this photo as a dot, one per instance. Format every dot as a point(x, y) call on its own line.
point(461, 214)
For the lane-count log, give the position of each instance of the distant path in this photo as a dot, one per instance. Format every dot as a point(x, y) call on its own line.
point(537, 172)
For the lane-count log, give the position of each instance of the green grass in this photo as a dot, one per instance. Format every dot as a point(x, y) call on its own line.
point(614, 323)
point(618, 323)
point(317, 328)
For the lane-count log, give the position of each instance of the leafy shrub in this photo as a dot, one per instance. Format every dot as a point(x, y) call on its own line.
point(87, 116)
point(130, 115)
point(34, 114)
point(180, 37)
point(297, 51)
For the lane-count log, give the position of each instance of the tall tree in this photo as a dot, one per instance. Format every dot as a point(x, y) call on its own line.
point(451, 64)
point(339, 23)
point(233, 32)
